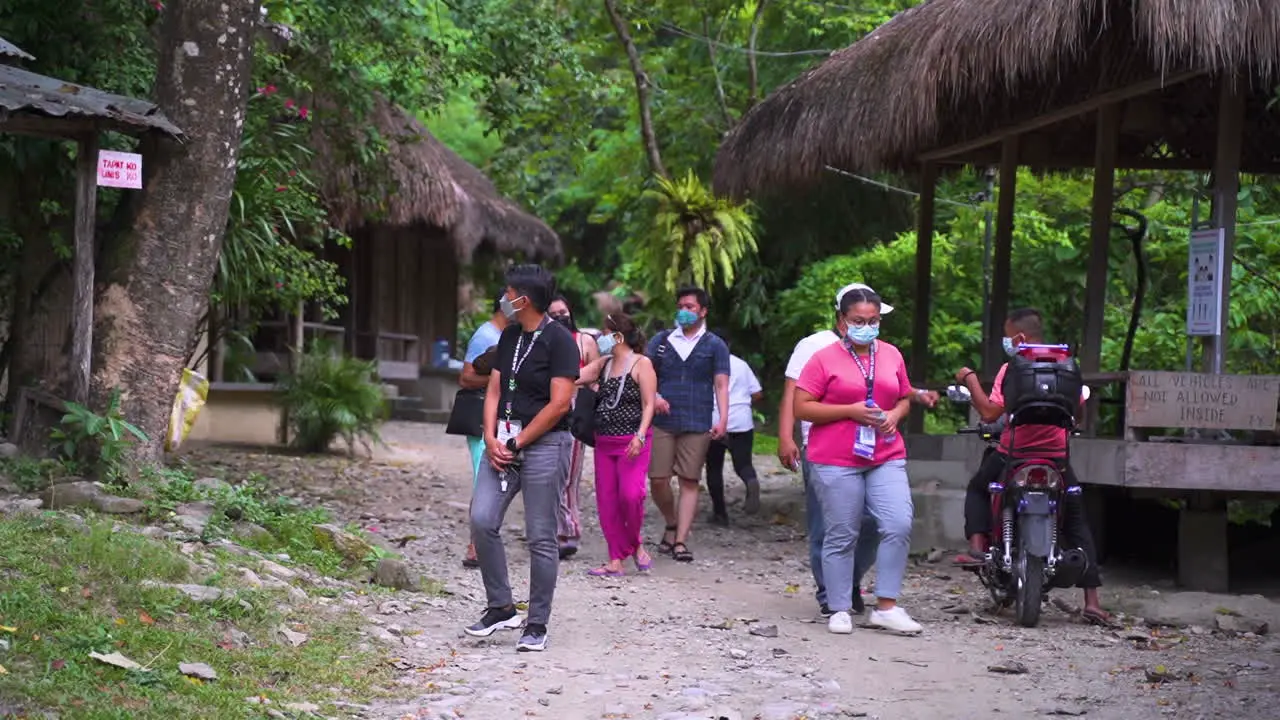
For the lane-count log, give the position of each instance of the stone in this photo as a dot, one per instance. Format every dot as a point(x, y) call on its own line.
point(77, 493)
point(1009, 667)
point(394, 607)
point(197, 670)
point(8, 450)
point(193, 517)
point(1239, 625)
point(250, 532)
point(250, 578)
point(352, 547)
point(766, 631)
point(211, 484)
point(293, 638)
point(738, 654)
point(302, 707)
point(117, 505)
point(277, 570)
point(197, 593)
point(393, 573)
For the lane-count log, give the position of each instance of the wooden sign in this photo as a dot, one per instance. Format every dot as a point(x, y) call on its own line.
point(1196, 400)
point(119, 169)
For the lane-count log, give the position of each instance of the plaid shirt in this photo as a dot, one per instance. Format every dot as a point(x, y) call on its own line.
point(688, 385)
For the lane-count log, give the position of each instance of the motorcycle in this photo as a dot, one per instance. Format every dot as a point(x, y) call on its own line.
point(1025, 559)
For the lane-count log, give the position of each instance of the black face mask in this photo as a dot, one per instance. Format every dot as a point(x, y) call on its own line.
point(565, 320)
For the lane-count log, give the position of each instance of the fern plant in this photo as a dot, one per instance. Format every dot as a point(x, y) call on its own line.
point(698, 237)
point(330, 396)
point(97, 443)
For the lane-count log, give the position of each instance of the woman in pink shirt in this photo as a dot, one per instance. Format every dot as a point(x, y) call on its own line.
point(856, 392)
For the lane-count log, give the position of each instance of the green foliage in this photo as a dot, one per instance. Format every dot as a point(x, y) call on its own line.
point(330, 396)
point(97, 443)
point(697, 237)
point(278, 222)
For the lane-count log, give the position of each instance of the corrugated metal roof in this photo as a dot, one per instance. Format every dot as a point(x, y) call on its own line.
point(27, 92)
point(8, 49)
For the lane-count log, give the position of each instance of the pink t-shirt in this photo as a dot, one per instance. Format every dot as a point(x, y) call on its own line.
point(1045, 438)
point(833, 377)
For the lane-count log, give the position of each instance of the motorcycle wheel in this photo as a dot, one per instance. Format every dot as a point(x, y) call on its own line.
point(1030, 592)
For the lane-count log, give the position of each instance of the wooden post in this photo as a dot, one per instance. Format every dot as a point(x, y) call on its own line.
point(923, 289)
point(1002, 262)
point(82, 266)
point(1226, 188)
point(1106, 145)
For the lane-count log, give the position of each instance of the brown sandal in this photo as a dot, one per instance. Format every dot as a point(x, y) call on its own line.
point(681, 553)
point(665, 547)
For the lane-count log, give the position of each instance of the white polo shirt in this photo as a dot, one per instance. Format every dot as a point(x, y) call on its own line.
point(743, 383)
point(804, 350)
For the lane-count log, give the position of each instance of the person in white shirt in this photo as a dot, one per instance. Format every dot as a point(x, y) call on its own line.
point(744, 390)
point(792, 457)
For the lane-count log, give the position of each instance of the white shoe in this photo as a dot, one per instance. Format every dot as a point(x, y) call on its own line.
point(840, 623)
point(895, 620)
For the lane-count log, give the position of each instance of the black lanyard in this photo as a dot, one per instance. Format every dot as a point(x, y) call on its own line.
point(868, 371)
point(517, 362)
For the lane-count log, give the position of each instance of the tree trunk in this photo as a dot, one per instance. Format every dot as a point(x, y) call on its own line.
point(715, 71)
point(647, 135)
point(157, 279)
point(753, 73)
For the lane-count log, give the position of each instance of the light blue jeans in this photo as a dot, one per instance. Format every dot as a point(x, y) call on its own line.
point(864, 555)
point(845, 493)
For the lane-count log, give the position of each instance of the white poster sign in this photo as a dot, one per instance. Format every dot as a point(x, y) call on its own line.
point(1204, 282)
point(119, 169)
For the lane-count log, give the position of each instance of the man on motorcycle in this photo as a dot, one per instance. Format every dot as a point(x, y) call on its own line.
point(1024, 326)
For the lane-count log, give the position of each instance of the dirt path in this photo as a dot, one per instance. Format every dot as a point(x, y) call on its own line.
point(677, 643)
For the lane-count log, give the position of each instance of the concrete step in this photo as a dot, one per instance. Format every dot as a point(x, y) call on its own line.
point(421, 415)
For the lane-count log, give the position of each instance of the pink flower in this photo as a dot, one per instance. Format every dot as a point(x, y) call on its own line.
point(292, 173)
point(373, 528)
point(289, 103)
point(281, 188)
point(157, 5)
point(303, 113)
point(267, 90)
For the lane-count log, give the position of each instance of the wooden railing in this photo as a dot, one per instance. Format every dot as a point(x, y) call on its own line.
point(398, 355)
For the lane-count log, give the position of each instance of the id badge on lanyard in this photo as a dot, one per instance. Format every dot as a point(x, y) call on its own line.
point(864, 443)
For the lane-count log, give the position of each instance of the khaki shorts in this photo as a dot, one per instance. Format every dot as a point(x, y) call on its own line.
point(680, 455)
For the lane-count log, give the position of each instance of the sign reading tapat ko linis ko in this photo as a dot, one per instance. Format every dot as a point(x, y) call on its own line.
point(1197, 400)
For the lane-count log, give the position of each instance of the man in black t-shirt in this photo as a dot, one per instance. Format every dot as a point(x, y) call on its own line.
point(527, 446)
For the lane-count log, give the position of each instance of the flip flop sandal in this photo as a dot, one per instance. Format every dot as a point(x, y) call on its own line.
point(1093, 617)
point(643, 567)
point(681, 555)
point(968, 561)
point(606, 572)
point(664, 547)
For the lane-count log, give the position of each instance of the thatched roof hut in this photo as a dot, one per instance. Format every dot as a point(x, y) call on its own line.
point(420, 181)
point(949, 71)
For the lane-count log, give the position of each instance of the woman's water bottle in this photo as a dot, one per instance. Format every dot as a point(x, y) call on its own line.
point(440, 353)
point(871, 403)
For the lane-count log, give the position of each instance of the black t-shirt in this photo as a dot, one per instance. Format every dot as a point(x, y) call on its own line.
point(553, 355)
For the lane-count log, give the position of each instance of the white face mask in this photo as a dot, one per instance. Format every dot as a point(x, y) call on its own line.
point(1009, 347)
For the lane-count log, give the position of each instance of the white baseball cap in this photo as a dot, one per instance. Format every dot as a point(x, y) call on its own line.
point(885, 308)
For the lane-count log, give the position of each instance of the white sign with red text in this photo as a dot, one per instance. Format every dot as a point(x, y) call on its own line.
point(119, 169)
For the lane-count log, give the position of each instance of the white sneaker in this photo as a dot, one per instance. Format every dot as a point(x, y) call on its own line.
point(840, 623)
point(895, 620)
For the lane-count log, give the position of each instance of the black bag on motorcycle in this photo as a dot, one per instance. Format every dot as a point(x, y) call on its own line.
point(1042, 387)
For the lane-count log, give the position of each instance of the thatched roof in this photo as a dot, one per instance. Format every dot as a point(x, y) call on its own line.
point(953, 70)
point(420, 181)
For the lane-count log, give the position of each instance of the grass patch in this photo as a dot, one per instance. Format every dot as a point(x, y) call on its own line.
point(762, 444)
point(32, 474)
point(289, 524)
point(67, 590)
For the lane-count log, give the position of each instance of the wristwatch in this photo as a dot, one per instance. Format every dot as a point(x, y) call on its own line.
point(511, 445)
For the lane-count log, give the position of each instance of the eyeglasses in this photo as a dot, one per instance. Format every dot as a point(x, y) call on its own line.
point(860, 322)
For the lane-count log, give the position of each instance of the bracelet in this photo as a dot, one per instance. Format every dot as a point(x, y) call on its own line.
point(965, 379)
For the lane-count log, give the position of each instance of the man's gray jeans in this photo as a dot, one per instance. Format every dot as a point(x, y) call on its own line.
point(541, 475)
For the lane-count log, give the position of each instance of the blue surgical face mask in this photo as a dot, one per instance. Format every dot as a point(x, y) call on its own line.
point(686, 318)
point(864, 335)
point(1009, 347)
point(606, 343)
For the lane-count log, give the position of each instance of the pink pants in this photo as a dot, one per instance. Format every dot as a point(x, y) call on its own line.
point(622, 484)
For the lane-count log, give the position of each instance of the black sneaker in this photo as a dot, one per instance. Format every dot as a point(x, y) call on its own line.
point(495, 619)
point(825, 611)
point(859, 606)
point(533, 639)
